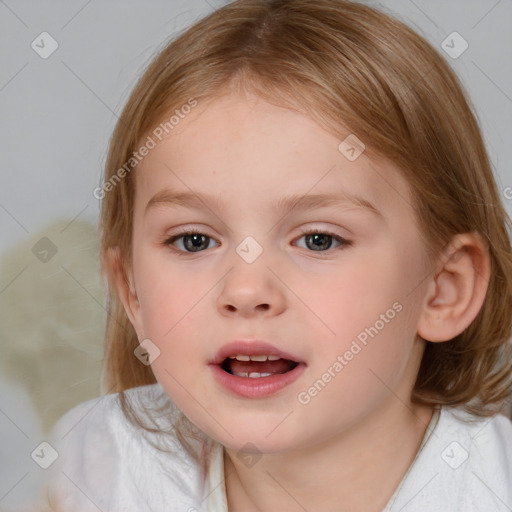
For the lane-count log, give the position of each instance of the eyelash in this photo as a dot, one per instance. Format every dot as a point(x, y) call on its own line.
point(303, 232)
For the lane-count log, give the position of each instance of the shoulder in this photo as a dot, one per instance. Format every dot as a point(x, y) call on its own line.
point(466, 464)
point(107, 461)
point(102, 421)
point(494, 432)
point(102, 415)
point(488, 442)
point(479, 458)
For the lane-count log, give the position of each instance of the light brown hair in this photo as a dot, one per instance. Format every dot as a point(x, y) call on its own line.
point(348, 66)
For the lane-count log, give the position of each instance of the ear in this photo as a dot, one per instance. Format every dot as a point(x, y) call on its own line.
point(456, 291)
point(121, 278)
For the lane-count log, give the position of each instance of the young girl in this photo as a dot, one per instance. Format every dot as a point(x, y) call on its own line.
point(310, 279)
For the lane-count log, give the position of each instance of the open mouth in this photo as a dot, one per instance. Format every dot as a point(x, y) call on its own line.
point(257, 366)
point(255, 369)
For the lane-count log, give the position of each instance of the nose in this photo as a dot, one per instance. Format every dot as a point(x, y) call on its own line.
point(249, 290)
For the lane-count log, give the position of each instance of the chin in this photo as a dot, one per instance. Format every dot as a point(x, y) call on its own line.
point(252, 437)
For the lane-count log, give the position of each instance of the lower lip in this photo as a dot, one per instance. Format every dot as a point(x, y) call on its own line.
point(260, 387)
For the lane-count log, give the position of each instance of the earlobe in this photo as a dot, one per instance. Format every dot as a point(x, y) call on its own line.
point(122, 279)
point(456, 290)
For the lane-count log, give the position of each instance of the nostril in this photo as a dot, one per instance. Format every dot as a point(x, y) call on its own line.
point(263, 307)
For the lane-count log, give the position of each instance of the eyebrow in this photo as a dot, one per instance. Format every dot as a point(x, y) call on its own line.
point(168, 197)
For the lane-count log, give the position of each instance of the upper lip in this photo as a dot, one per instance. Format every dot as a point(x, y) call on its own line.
point(250, 348)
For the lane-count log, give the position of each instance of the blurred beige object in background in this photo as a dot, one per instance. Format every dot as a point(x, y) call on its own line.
point(53, 318)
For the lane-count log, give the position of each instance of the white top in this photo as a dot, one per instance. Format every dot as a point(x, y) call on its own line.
point(106, 463)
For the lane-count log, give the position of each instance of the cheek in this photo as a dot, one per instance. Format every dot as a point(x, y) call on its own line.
point(172, 302)
point(371, 311)
point(354, 296)
point(167, 296)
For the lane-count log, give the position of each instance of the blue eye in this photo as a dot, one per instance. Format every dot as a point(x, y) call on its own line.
point(316, 240)
point(321, 241)
point(193, 241)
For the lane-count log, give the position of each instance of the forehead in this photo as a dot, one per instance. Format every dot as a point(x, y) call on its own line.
point(248, 151)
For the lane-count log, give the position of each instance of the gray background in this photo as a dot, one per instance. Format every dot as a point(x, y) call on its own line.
point(57, 116)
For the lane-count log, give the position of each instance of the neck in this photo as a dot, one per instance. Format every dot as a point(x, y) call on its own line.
point(338, 474)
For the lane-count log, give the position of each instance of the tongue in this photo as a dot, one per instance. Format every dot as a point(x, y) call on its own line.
point(279, 366)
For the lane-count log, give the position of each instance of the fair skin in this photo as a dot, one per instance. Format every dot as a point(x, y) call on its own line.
point(325, 454)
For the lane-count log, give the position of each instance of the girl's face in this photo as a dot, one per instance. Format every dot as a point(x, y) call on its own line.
point(339, 308)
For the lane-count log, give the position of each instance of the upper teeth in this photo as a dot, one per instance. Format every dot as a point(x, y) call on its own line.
point(262, 357)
